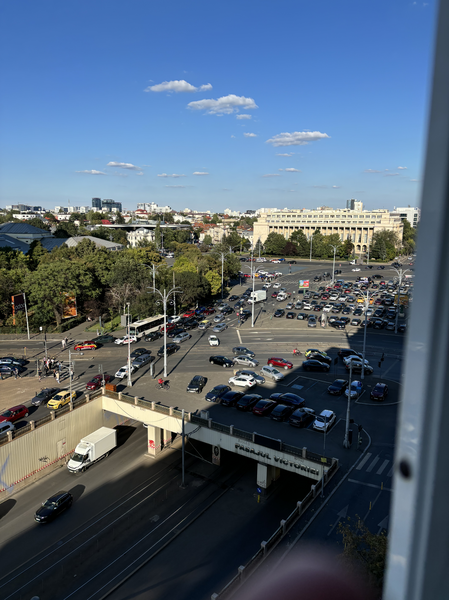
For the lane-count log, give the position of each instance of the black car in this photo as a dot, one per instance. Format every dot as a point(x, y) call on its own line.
point(233, 298)
point(15, 362)
point(290, 315)
point(281, 412)
point(138, 352)
point(301, 417)
point(231, 398)
point(10, 369)
point(357, 368)
point(264, 407)
point(320, 357)
point(106, 338)
point(174, 332)
point(248, 401)
point(153, 335)
point(315, 365)
point(227, 310)
point(44, 396)
point(337, 271)
point(291, 262)
point(197, 384)
point(171, 349)
point(339, 324)
point(279, 313)
point(402, 327)
point(242, 350)
point(378, 324)
point(221, 361)
point(379, 392)
point(190, 324)
point(344, 352)
point(217, 392)
point(338, 387)
point(302, 316)
point(289, 399)
point(53, 507)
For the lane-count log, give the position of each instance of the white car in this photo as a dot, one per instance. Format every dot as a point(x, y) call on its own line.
point(324, 420)
point(246, 381)
point(124, 340)
point(174, 319)
point(219, 318)
point(275, 261)
point(278, 273)
point(253, 374)
point(356, 389)
point(276, 285)
point(289, 306)
point(307, 306)
point(123, 372)
point(182, 337)
point(271, 373)
point(333, 297)
point(213, 340)
point(356, 269)
point(353, 359)
point(267, 285)
point(245, 360)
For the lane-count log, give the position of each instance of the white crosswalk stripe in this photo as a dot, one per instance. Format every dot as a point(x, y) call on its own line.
point(382, 467)
point(361, 464)
point(373, 464)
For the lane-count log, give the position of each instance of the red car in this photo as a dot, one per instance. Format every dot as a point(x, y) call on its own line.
point(264, 407)
point(95, 382)
point(280, 362)
point(89, 345)
point(209, 311)
point(188, 314)
point(170, 326)
point(274, 295)
point(14, 414)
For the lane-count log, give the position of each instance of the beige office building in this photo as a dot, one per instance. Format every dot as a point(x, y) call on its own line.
point(358, 226)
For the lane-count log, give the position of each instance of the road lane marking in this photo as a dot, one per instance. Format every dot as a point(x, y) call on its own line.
point(390, 472)
point(373, 464)
point(363, 461)
point(371, 485)
point(382, 467)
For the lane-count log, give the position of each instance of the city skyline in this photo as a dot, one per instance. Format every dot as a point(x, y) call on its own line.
point(291, 106)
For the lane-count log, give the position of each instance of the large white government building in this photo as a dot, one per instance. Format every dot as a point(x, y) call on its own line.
point(359, 226)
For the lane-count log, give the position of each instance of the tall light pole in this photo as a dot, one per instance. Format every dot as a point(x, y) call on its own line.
point(130, 381)
point(252, 304)
point(311, 243)
point(401, 274)
point(164, 298)
point(366, 296)
point(223, 255)
point(346, 443)
point(333, 267)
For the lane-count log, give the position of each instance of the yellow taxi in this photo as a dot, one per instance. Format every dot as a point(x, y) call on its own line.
point(61, 399)
point(89, 345)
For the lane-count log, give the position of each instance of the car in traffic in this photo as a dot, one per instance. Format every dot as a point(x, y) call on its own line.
point(220, 327)
point(96, 382)
point(123, 371)
point(61, 399)
point(53, 506)
point(356, 389)
point(142, 360)
point(325, 420)
point(106, 338)
point(315, 365)
point(246, 361)
point(152, 336)
point(311, 351)
point(271, 373)
point(338, 387)
point(44, 396)
point(197, 384)
point(138, 352)
point(204, 324)
point(14, 414)
point(131, 339)
point(171, 349)
point(89, 345)
point(175, 332)
point(217, 392)
point(379, 392)
point(213, 340)
point(239, 350)
point(264, 407)
point(12, 361)
point(281, 412)
point(245, 381)
point(302, 417)
point(221, 361)
point(321, 358)
point(280, 362)
point(181, 337)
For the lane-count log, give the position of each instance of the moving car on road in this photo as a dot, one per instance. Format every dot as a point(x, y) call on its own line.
point(171, 349)
point(280, 362)
point(53, 507)
point(89, 345)
point(221, 361)
point(246, 361)
point(238, 350)
point(123, 372)
point(44, 396)
point(14, 414)
point(61, 399)
point(142, 360)
point(220, 327)
point(124, 340)
point(213, 340)
point(106, 338)
point(315, 365)
point(96, 382)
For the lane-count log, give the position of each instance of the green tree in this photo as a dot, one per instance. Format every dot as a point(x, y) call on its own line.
point(231, 241)
point(408, 237)
point(119, 219)
point(194, 286)
point(183, 264)
point(214, 280)
point(290, 249)
point(346, 249)
point(299, 238)
point(207, 240)
point(37, 222)
point(37, 253)
point(51, 217)
point(275, 243)
point(318, 245)
point(384, 245)
point(215, 219)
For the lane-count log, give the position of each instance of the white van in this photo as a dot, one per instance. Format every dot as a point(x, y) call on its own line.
point(6, 426)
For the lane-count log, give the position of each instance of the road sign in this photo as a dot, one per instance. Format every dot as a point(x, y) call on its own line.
point(259, 490)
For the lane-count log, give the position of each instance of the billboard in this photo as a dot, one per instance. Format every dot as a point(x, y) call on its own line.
point(69, 306)
point(18, 303)
point(303, 283)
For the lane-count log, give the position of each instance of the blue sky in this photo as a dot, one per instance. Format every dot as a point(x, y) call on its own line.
point(212, 105)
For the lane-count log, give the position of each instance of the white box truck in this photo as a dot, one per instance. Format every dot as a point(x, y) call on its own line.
point(92, 448)
point(257, 296)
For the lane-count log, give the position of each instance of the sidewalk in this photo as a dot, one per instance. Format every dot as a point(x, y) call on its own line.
point(78, 333)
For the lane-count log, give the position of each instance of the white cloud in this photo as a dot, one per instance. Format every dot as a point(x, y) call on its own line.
point(402, 168)
point(177, 86)
point(286, 154)
point(271, 175)
point(128, 166)
point(224, 105)
point(391, 175)
point(297, 138)
point(336, 187)
point(141, 173)
point(250, 134)
point(200, 173)
point(320, 187)
point(240, 117)
point(291, 170)
point(92, 172)
point(371, 171)
point(175, 186)
point(232, 136)
point(174, 175)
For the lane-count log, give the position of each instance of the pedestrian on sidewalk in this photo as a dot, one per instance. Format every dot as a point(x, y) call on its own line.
point(57, 376)
point(16, 373)
point(66, 340)
point(63, 344)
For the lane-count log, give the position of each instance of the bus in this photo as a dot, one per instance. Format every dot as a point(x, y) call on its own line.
point(141, 328)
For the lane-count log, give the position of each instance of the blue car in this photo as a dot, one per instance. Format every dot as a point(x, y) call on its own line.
point(217, 392)
point(200, 310)
point(356, 389)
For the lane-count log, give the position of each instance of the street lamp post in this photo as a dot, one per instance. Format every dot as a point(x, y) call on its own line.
point(164, 298)
point(311, 244)
point(400, 273)
point(333, 267)
point(223, 255)
point(346, 443)
point(130, 381)
point(252, 304)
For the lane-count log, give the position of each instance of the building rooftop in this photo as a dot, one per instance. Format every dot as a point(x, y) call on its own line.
point(17, 228)
point(6, 241)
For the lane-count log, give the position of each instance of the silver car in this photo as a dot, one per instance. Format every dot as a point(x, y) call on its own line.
point(142, 360)
point(271, 373)
point(182, 337)
point(219, 318)
point(253, 374)
point(220, 327)
point(245, 360)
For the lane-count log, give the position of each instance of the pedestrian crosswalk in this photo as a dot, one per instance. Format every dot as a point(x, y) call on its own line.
point(376, 465)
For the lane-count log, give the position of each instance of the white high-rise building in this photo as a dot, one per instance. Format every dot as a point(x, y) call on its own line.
point(353, 204)
point(412, 215)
